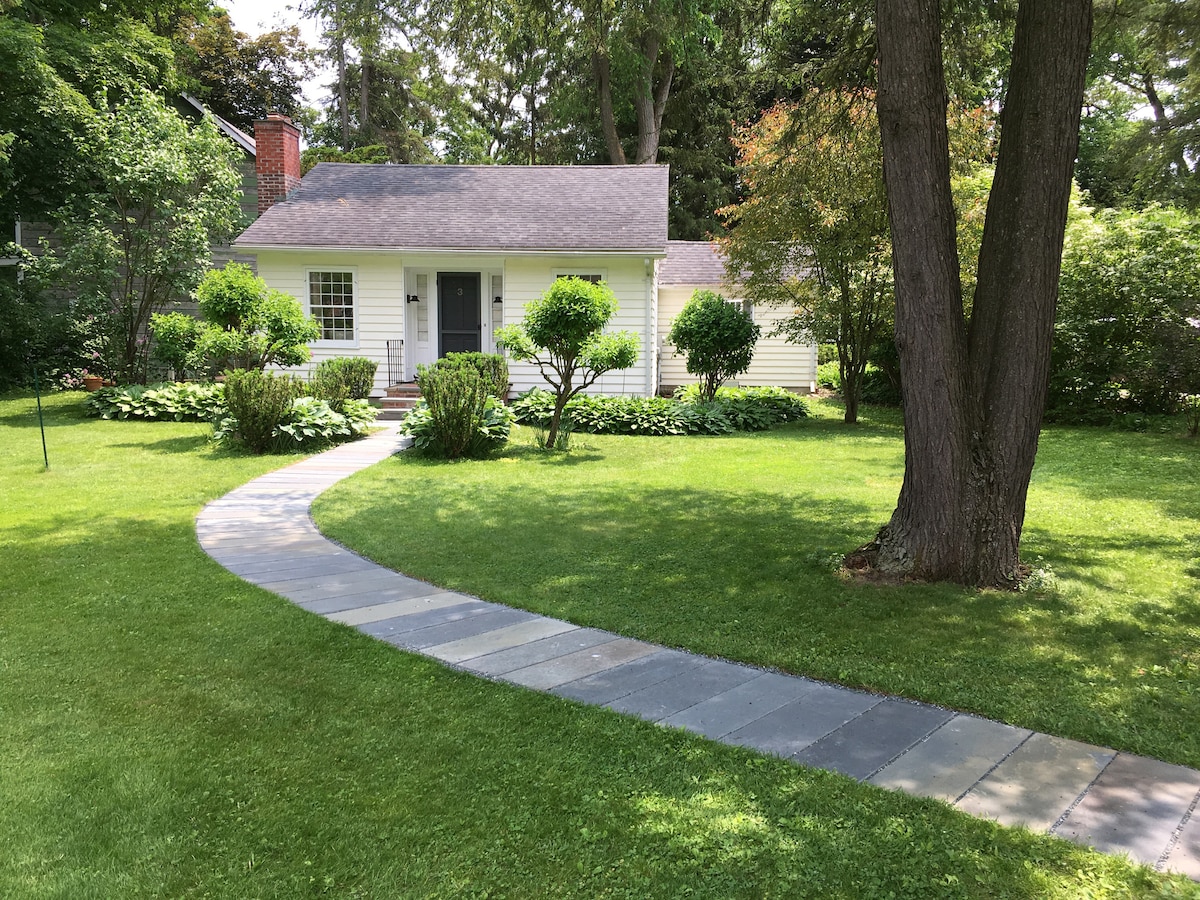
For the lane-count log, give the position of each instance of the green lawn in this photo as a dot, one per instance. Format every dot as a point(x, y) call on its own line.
point(167, 730)
point(722, 545)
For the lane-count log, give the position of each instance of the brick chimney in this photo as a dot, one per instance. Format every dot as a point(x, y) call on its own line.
point(277, 159)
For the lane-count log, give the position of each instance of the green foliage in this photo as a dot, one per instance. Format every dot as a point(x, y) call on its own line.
point(828, 376)
point(343, 378)
point(458, 416)
point(258, 403)
point(813, 234)
point(1126, 336)
point(32, 336)
point(372, 153)
point(247, 325)
point(718, 338)
point(492, 430)
point(170, 401)
point(563, 334)
point(139, 236)
point(492, 368)
point(733, 409)
point(313, 423)
point(242, 78)
point(271, 413)
point(175, 337)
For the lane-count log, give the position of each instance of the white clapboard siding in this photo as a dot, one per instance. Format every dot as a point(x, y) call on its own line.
point(776, 361)
point(631, 280)
point(378, 300)
point(383, 280)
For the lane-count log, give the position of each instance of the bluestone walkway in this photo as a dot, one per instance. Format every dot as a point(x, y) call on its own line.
point(1115, 802)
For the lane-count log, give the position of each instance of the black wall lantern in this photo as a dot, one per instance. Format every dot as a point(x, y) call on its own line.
point(498, 300)
point(413, 298)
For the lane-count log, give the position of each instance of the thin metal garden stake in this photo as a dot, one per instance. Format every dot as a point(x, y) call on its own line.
point(37, 390)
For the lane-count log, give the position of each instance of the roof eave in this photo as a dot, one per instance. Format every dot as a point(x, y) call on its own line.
point(654, 252)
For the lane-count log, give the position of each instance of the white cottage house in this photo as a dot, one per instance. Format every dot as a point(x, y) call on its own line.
point(403, 264)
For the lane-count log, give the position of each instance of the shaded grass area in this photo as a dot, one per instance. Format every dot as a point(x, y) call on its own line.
point(724, 546)
point(168, 730)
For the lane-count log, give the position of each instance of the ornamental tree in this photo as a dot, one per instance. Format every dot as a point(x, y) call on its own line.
point(563, 334)
point(718, 338)
point(246, 325)
point(812, 234)
point(137, 236)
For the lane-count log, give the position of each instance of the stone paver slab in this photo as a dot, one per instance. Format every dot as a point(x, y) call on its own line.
point(1134, 807)
point(604, 687)
point(865, 744)
point(948, 762)
point(367, 577)
point(666, 698)
point(553, 672)
point(1037, 783)
point(499, 639)
point(505, 661)
point(1185, 855)
point(819, 710)
point(739, 706)
point(299, 568)
point(378, 598)
point(378, 612)
point(395, 588)
point(392, 630)
point(494, 617)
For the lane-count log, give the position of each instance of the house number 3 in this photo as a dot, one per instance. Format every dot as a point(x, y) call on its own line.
point(460, 292)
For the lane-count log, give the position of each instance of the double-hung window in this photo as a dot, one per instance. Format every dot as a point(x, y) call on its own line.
point(331, 302)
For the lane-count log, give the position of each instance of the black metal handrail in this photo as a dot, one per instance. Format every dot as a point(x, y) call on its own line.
point(395, 361)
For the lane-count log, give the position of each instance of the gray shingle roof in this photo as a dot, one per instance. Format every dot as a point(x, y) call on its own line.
point(521, 208)
point(692, 262)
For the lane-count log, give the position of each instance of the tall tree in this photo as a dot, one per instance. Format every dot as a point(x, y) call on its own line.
point(138, 235)
point(242, 78)
point(1141, 131)
point(974, 393)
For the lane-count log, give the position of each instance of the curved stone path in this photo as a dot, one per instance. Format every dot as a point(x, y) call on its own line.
point(1115, 802)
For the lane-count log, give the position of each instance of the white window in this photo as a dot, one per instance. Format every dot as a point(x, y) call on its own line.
point(593, 277)
point(331, 302)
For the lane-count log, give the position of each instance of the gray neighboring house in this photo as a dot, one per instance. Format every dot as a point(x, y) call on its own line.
point(403, 264)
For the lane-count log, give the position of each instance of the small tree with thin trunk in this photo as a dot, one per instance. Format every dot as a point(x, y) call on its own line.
point(718, 338)
point(563, 334)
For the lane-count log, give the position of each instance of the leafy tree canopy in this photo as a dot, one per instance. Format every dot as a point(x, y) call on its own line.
point(563, 334)
point(137, 235)
point(242, 78)
point(717, 337)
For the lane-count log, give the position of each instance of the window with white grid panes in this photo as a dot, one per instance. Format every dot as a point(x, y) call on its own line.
point(331, 301)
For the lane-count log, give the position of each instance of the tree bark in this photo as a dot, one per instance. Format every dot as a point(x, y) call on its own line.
point(608, 122)
point(651, 100)
point(974, 398)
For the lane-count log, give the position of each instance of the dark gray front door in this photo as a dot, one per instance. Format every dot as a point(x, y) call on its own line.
point(460, 323)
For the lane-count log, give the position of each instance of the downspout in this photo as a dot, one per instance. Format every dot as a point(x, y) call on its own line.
point(651, 328)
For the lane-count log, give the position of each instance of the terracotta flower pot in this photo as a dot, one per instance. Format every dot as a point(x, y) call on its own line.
point(92, 382)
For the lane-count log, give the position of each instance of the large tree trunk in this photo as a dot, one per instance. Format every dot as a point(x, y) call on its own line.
point(651, 100)
point(973, 401)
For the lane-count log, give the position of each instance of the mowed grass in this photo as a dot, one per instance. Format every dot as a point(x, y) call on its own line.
point(167, 730)
point(724, 546)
